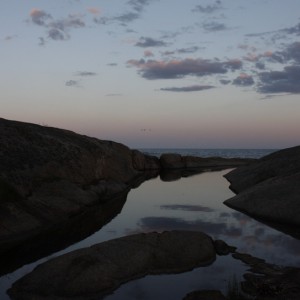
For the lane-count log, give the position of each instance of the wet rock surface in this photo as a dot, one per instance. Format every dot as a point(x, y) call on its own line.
point(93, 272)
point(269, 188)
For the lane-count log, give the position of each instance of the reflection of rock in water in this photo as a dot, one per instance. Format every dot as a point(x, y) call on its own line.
point(62, 235)
point(90, 273)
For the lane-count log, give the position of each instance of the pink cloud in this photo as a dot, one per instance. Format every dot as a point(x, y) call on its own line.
point(94, 10)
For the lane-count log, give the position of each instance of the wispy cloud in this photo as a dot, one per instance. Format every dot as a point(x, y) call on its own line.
point(146, 42)
point(136, 8)
point(56, 29)
point(209, 9)
point(153, 69)
point(192, 88)
point(85, 73)
point(214, 26)
point(72, 83)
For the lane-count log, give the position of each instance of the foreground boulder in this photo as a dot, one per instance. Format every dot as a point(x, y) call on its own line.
point(93, 272)
point(269, 189)
point(49, 175)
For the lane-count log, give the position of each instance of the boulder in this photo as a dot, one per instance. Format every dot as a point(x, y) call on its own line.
point(269, 189)
point(48, 175)
point(92, 272)
point(171, 161)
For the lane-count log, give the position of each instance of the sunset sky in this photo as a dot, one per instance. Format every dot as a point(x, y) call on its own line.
point(155, 73)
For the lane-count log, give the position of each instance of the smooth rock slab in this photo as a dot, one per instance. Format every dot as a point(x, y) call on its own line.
point(92, 272)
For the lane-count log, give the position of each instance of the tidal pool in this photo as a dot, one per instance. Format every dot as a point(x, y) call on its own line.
point(189, 203)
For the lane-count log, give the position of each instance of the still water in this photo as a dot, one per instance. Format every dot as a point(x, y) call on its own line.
point(192, 203)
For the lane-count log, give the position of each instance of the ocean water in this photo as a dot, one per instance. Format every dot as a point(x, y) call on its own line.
point(227, 153)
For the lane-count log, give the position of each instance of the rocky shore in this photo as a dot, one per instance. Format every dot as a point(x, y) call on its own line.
point(50, 177)
point(54, 180)
point(269, 188)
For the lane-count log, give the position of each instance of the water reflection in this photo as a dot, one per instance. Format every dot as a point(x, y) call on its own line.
point(187, 207)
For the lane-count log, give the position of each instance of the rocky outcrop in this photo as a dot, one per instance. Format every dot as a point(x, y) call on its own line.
point(266, 281)
point(50, 175)
point(93, 272)
point(269, 189)
point(176, 161)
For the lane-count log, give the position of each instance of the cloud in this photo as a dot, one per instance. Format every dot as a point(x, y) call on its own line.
point(148, 53)
point(173, 69)
point(10, 37)
point(214, 26)
point(57, 35)
point(112, 64)
point(42, 41)
point(56, 29)
point(86, 73)
point(208, 9)
point(39, 17)
point(225, 81)
point(94, 10)
point(127, 17)
point(139, 5)
point(136, 7)
point(243, 80)
point(72, 83)
point(150, 42)
point(286, 81)
point(188, 50)
point(192, 88)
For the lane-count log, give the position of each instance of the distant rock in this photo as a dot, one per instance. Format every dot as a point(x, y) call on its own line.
point(50, 175)
point(93, 272)
point(176, 161)
point(269, 189)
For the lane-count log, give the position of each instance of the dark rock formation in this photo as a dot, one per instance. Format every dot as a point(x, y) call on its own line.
point(93, 272)
point(269, 189)
point(269, 282)
point(48, 176)
point(176, 161)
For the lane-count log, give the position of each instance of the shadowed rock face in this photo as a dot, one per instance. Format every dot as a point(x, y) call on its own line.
point(269, 189)
point(93, 272)
point(49, 175)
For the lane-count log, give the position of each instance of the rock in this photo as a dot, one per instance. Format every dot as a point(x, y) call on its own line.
point(269, 189)
point(222, 248)
point(171, 161)
point(280, 163)
point(143, 162)
point(176, 161)
point(205, 295)
point(91, 273)
point(48, 175)
point(269, 282)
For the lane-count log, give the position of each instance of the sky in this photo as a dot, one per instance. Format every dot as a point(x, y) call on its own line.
point(155, 73)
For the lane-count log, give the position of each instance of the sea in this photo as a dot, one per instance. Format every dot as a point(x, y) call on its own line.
point(226, 153)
